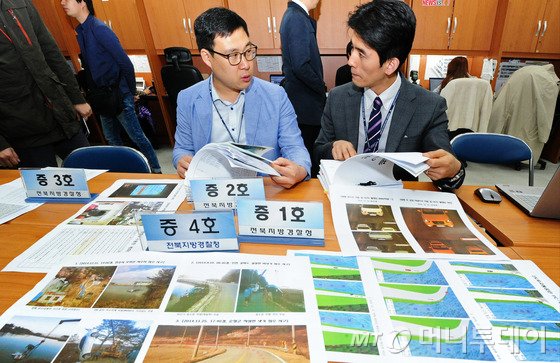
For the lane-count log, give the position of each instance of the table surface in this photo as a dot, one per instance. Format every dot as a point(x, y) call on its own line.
point(508, 224)
point(17, 235)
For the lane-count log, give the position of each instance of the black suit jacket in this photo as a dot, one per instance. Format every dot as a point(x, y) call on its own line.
point(419, 122)
point(301, 64)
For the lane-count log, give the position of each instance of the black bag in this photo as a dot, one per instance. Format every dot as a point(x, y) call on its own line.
point(105, 101)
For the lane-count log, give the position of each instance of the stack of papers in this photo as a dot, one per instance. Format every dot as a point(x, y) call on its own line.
point(371, 169)
point(230, 160)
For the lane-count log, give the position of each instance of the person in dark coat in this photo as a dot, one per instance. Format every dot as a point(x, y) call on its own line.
point(39, 97)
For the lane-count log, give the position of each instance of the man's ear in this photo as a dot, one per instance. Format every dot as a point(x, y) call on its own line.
point(205, 55)
point(392, 65)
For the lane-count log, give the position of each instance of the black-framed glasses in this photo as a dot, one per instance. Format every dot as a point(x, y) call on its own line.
point(235, 57)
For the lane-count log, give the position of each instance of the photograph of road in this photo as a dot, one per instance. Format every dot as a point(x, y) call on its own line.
point(105, 340)
point(523, 304)
point(267, 344)
point(422, 300)
point(458, 338)
point(348, 333)
point(205, 289)
point(76, 287)
point(34, 339)
point(375, 230)
point(490, 275)
point(442, 231)
point(269, 290)
point(404, 271)
point(536, 341)
point(113, 213)
point(136, 287)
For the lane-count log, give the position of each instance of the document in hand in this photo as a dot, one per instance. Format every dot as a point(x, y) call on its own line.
point(371, 169)
point(231, 160)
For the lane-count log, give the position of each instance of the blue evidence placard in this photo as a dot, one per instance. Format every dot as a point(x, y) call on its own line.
point(59, 183)
point(223, 194)
point(190, 232)
point(281, 222)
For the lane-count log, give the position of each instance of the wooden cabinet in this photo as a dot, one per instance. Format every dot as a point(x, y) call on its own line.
point(460, 25)
point(332, 29)
point(532, 28)
point(263, 20)
point(172, 22)
point(47, 10)
point(122, 17)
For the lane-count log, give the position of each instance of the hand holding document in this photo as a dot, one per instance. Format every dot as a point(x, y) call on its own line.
point(229, 160)
point(371, 169)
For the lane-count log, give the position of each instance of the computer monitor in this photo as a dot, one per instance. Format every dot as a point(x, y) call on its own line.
point(434, 83)
point(276, 78)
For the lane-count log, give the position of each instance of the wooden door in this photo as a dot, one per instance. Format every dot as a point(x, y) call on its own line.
point(259, 21)
point(46, 9)
point(277, 10)
point(473, 24)
point(193, 9)
point(522, 30)
point(549, 41)
point(168, 24)
point(123, 19)
point(433, 25)
point(332, 29)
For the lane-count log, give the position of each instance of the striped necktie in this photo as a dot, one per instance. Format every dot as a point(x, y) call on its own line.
point(374, 127)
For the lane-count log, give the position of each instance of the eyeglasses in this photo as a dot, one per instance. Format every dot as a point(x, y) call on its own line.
point(235, 58)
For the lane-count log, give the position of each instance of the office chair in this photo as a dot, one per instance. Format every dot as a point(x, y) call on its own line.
point(178, 73)
point(490, 148)
point(469, 104)
point(114, 158)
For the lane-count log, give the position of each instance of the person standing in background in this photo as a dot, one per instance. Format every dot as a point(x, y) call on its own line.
point(39, 97)
point(301, 64)
point(109, 66)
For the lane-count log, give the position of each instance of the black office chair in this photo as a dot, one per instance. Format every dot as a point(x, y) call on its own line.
point(178, 73)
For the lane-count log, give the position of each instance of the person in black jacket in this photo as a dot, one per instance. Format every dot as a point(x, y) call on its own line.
point(301, 64)
point(39, 97)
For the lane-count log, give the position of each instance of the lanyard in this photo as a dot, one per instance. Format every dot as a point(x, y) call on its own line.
point(222, 119)
point(383, 124)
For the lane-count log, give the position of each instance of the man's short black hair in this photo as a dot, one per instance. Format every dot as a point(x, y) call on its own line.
point(216, 22)
point(387, 26)
point(89, 4)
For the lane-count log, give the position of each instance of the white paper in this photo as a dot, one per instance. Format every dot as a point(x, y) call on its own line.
point(105, 225)
point(12, 196)
point(269, 64)
point(380, 221)
point(373, 306)
point(155, 306)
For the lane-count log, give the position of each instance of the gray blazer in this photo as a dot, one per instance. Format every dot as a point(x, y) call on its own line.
point(419, 122)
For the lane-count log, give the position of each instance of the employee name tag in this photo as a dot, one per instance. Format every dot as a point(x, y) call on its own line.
point(56, 183)
point(281, 222)
point(189, 232)
point(221, 194)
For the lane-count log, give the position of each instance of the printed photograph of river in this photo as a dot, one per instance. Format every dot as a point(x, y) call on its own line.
point(137, 287)
point(34, 339)
point(205, 289)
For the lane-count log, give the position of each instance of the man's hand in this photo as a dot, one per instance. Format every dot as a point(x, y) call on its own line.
point(290, 172)
point(9, 158)
point(83, 109)
point(442, 164)
point(183, 165)
point(342, 150)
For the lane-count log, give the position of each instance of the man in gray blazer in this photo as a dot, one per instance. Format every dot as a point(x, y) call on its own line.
point(406, 117)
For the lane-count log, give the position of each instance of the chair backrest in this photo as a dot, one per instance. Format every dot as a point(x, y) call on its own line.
point(490, 148)
point(114, 158)
point(469, 103)
point(178, 73)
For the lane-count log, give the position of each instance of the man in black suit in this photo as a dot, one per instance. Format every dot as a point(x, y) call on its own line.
point(407, 117)
point(301, 64)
